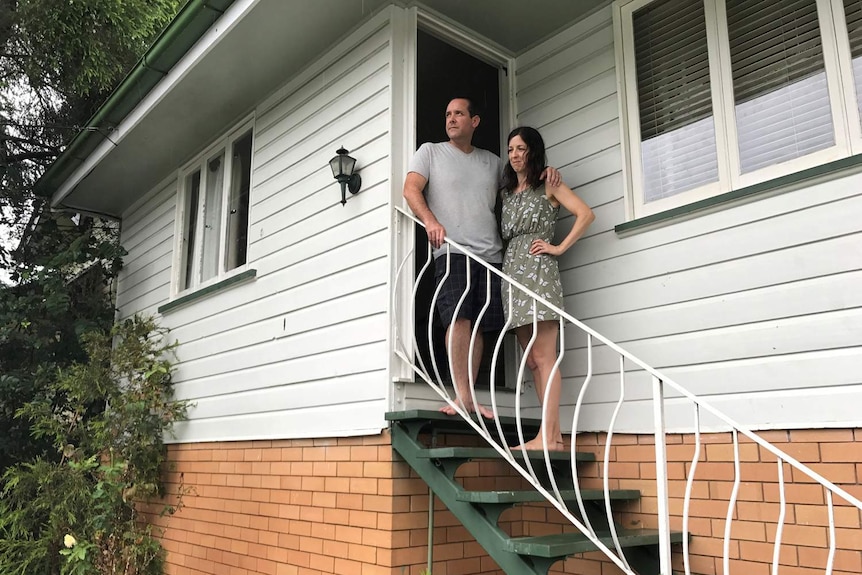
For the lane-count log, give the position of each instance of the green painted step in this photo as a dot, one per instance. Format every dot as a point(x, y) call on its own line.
point(441, 421)
point(535, 496)
point(560, 545)
point(491, 453)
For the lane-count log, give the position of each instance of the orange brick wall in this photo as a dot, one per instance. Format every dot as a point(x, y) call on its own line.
point(835, 454)
point(309, 507)
point(350, 506)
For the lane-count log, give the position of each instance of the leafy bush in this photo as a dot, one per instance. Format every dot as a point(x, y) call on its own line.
point(81, 513)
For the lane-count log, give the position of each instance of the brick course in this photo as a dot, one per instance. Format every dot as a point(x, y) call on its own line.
point(350, 506)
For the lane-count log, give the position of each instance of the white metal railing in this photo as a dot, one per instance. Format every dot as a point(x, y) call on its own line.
point(407, 349)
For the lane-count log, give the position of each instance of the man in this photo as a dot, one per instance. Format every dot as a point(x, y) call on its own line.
point(462, 185)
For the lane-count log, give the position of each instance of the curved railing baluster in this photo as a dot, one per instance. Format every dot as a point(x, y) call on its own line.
point(605, 474)
point(519, 423)
point(731, 505)
point(830, 560)
point(428, 262)
point(575, 416)
point(476, 327)
point(548, 384)
point(462, 401)
point(494, 359)
point(431, 351)
point(689, 485)
point(782, 511)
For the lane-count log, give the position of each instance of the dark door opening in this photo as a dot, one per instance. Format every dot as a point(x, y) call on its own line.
point(444, 72)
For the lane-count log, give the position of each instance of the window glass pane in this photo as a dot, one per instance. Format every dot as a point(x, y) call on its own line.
point(237, 223)
point(192, 205)
point(853, 13)
point(779, 81)
point(212, 217)
point(678, 149)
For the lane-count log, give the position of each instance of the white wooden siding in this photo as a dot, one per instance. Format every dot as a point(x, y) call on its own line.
point(147, 234)
point(756, 305)
point(300, 350)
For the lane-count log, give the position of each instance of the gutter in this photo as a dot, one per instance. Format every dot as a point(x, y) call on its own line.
point(187, 27)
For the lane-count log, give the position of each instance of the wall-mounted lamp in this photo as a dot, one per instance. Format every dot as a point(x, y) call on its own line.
point(342, 170)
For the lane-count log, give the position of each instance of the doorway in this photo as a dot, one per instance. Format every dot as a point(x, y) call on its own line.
point(444, 72)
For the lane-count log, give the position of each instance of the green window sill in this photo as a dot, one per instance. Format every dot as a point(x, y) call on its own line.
point(790, 181)
point(209, 290)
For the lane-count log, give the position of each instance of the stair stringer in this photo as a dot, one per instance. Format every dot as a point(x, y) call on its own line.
point(484, 528)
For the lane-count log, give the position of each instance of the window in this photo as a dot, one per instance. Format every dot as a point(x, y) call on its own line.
point(723, 94)
point(214, 208)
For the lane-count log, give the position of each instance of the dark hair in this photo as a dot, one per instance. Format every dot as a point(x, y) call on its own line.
point(536, 158)
point(472, 107)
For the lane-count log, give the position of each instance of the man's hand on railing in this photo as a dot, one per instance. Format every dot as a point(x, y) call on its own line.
point(436, 233)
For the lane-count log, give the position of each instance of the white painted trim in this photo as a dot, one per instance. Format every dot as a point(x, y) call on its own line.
point(722, 99)
point(508, 100)
point(722, 107)
point(623, 107)
point(402, 112)
point(832, 65)
point(202, 47)
point(847, 86)
point(468, 40)
point(479, 47)
point(197, 432)
point(221, 144)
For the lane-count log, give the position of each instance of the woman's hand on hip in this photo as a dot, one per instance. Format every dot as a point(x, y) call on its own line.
point(540, 246)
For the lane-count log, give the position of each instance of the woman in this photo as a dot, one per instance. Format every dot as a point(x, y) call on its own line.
point(530, 210)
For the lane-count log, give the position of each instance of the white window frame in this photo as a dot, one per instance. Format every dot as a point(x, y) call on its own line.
point(842, 97)
point(224, 146)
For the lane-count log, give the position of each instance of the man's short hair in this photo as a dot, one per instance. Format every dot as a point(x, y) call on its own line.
point(472, 107)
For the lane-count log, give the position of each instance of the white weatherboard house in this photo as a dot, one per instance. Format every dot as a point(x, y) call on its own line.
point(718, 142)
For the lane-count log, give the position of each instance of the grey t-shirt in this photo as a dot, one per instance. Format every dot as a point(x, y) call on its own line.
point(462, 192)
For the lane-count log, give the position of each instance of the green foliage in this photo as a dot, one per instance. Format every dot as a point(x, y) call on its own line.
point(87, 45)
point(105, 420)
point(59, 295)
point(58, 63)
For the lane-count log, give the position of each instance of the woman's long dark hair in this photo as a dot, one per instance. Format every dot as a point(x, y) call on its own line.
point(536, 159)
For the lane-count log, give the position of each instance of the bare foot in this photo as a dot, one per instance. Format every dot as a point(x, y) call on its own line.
point(536, 444)
point(447, 410)
point(484, 411)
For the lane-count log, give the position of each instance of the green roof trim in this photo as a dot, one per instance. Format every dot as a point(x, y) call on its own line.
point(789, 181)
point(189, 25)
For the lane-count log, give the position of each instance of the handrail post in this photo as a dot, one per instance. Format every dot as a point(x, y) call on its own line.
point(661, 477)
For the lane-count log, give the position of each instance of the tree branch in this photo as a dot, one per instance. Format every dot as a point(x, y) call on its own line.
point(29, 142)
point(33, 156)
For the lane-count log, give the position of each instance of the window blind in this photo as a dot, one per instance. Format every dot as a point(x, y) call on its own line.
point(779, 81)
point(672, 65)
point(853, 15)
point(674, 98)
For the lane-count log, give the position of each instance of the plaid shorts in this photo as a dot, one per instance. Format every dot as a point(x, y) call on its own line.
point(455, 285)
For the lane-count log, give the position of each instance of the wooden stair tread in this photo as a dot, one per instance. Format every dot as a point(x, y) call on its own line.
point(439, 419)
point(563, 544)
point(491, 453)
point(535, 496)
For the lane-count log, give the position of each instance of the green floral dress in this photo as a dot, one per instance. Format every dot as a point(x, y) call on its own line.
point(528, 215)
